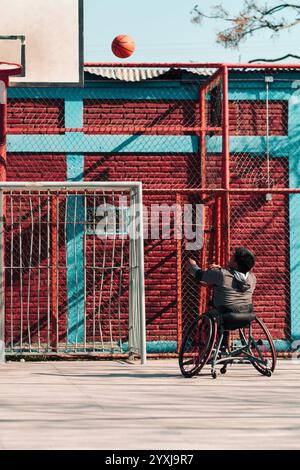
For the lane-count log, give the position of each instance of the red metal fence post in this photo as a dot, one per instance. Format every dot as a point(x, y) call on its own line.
point(179, 275)
point(203, 290)
point(226, 167)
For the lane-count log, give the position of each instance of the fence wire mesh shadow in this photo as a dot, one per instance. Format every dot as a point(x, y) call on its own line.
point(193, 136)
point(73, 269)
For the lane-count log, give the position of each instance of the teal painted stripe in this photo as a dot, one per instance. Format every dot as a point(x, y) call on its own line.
point(75, 261)
point(74, 142)
point(294, 212)
point(254, 145)
point(73, 113)
point(163, 91)
point(124, 92)
point(156, 347)
point(257, 91)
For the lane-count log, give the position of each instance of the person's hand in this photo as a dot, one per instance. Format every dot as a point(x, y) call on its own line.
point(214, 266)
point(192, 262)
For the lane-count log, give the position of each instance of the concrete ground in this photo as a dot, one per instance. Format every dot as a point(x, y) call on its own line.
point(115, 405)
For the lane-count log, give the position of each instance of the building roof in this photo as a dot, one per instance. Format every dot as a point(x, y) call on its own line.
point(137, 74)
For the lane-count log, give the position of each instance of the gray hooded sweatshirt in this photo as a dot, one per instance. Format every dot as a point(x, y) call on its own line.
point(231, 289)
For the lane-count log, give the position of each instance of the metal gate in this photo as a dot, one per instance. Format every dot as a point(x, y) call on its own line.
point(72, 270)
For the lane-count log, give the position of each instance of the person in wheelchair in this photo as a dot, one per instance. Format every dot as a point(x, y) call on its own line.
point(207, 340)
point(233, 287)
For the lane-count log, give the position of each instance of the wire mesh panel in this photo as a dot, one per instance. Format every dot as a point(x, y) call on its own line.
point(266, 223)
point(194, 136)
point(122, 131)
point(259, 128)
point(262, 224)
point(73, 269)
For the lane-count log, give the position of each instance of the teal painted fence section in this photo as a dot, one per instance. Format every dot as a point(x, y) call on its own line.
point(76, 142)
point(170, 347)
point(252, 145)
point(155, 91)
point(73, 113)
point(294, 212)
point(75, 254)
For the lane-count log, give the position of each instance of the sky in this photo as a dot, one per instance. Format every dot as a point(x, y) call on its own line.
point(163, 32)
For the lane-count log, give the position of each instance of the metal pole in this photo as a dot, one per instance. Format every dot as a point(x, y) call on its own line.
point(188, 65)
point(141, 275)
point(203, 123)
point(2, 282)
point(218, 229)
point(3, 127)
point(268, 80)
point(179, 276)
point(3, 130)
point(54, 270)
point(226, 164)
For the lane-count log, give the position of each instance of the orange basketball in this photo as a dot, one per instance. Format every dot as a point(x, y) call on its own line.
point(123, 46)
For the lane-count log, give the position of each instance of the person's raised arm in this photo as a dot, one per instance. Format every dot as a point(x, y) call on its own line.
point(209, 277)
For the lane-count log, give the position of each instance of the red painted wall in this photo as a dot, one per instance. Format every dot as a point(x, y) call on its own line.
point(246, 117)
point(261, 225)
point(29, 114)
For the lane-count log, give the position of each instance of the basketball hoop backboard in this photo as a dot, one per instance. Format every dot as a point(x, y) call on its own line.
point(46, 38)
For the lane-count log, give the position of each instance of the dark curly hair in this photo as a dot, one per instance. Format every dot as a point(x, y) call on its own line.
point(244, 258)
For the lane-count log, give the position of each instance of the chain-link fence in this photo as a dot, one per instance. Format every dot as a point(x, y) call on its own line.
point(73, 269)
point(196, 138)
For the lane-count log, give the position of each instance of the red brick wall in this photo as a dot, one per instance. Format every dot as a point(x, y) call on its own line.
point(32, 282)
point(29, 114)
point(154, 170)
point(261, 225)
point(249, 117)
point(36, 167)
point(246, 117)
point(28, 289)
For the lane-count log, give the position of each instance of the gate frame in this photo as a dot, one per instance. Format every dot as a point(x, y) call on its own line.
point(135, 189)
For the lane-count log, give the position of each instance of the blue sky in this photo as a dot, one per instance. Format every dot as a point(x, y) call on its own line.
point(163, 32)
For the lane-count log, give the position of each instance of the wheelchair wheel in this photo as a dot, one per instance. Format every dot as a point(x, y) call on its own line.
point(197, 346)
point(261, 347)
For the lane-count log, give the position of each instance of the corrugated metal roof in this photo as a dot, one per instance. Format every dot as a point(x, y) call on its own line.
point(138, 74)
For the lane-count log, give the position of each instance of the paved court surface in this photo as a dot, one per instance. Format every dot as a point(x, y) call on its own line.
point(115, 405)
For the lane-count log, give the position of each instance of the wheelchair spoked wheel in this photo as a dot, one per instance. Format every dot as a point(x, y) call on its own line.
point(261, 347)
point(197, 346)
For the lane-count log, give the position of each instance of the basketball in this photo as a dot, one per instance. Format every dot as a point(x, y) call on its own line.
point(123, 46)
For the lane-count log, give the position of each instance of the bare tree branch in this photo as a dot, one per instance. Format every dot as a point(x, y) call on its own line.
point(250, 19)
point(275, 60)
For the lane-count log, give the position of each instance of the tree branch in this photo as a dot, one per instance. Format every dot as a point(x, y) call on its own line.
point(278, 8)
point(250, 19)
point(275, 60)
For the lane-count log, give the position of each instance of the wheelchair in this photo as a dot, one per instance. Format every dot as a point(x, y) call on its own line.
point(251, 342)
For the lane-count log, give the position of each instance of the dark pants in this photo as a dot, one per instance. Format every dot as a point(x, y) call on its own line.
point(219, 315)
